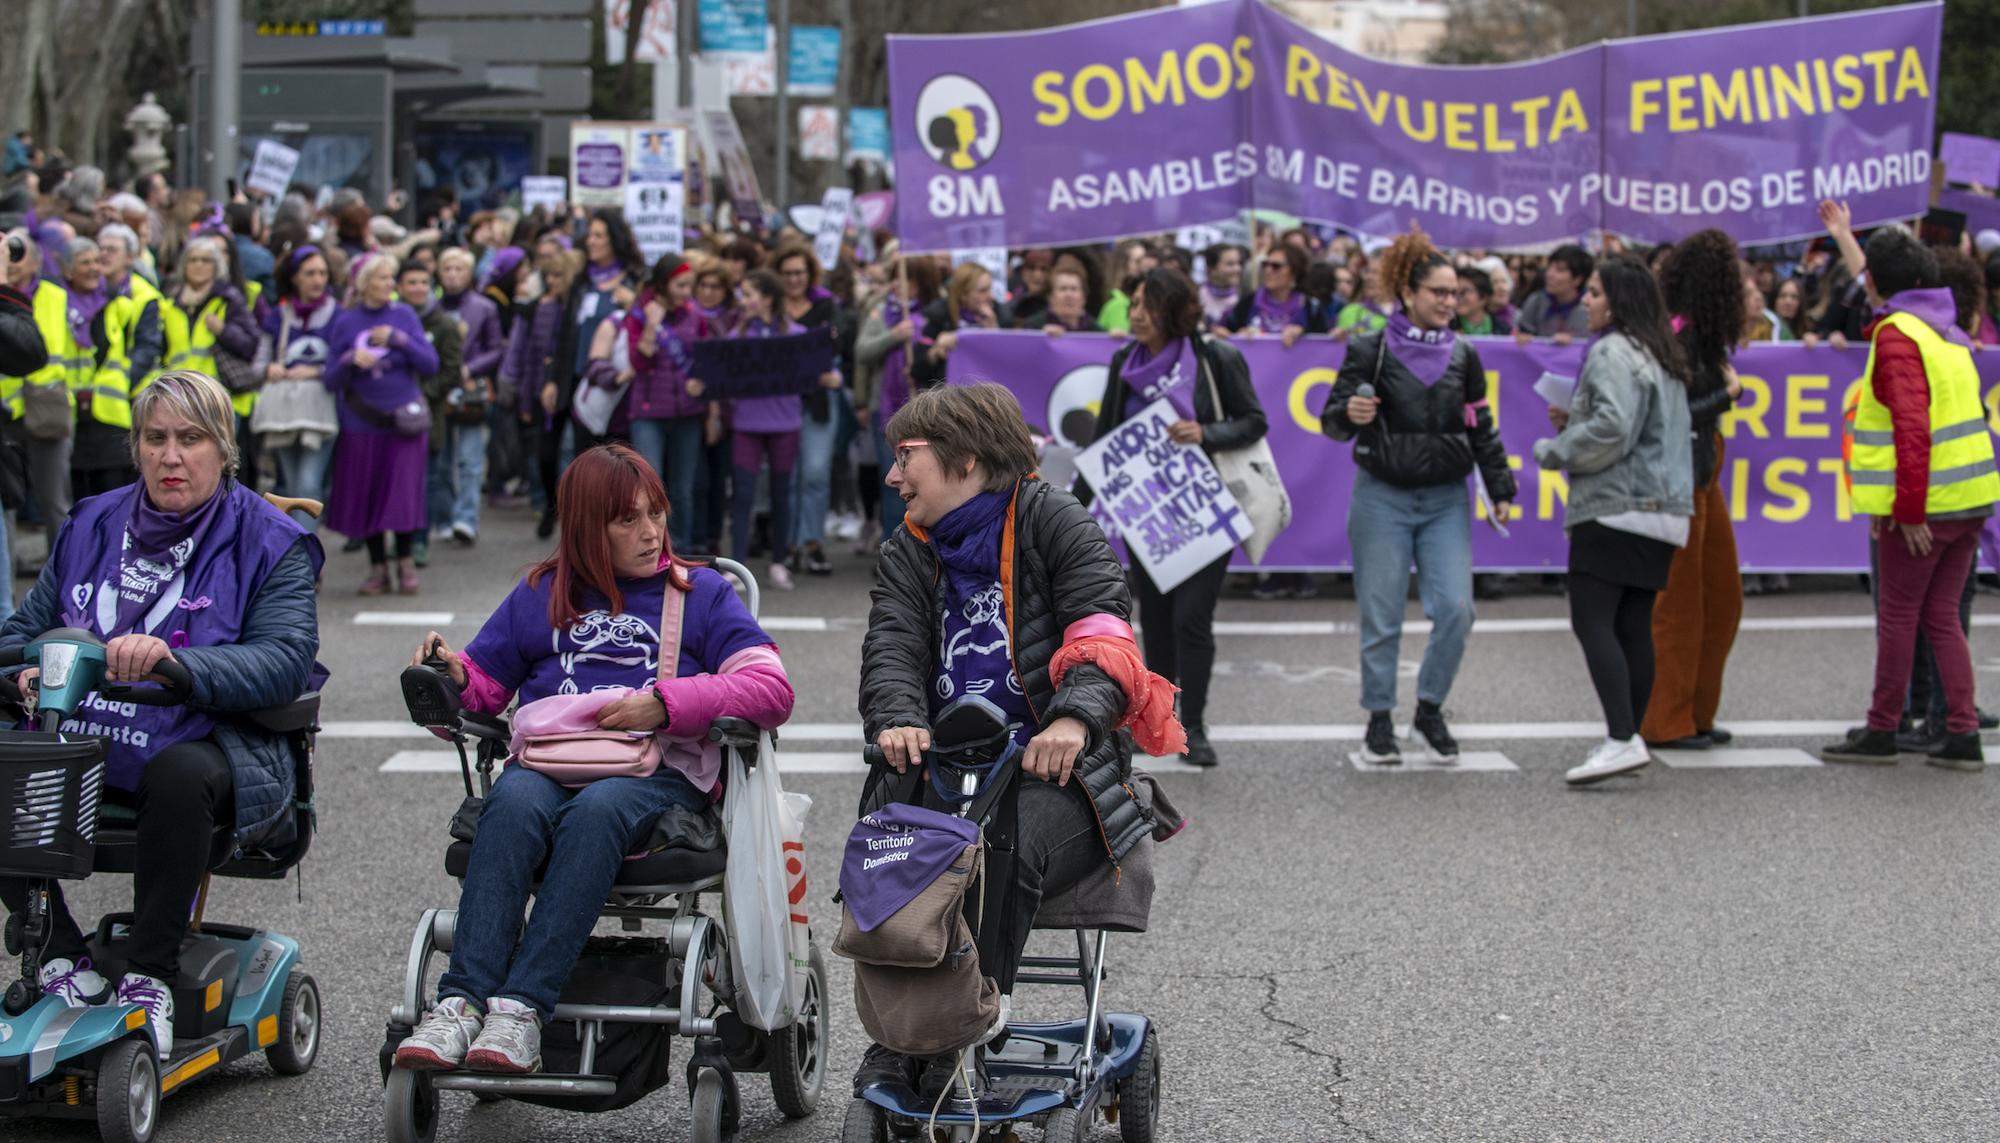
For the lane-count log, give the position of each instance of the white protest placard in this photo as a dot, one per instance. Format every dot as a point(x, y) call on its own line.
point(544, 190)
point(833, 210)
point(1167, 501)
point(271, 171)
point(655, 212)
point(994, 258)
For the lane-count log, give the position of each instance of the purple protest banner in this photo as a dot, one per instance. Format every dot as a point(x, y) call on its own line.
point(1746, 129)
point(1375, 146)
point(1781, 449)
point(1970, 159)
point(1076, 134)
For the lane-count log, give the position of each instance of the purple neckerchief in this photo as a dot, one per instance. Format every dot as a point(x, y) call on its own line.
point(894, 854)
point(1933, 307)
point(895, 367)
point(1424, 352)
point(1169, 373)
point(1274, 316)
point(716, 317)
point(301, 310)
point(154, 552)
point(604, 277)
point(1217, 304)
point(758, 327)
point(84, 308)
point(820, 294)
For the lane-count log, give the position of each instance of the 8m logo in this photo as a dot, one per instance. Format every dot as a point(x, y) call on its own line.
point(959, 126)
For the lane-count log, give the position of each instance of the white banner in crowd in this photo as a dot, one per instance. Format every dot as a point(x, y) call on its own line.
point(994, 258)
point(544, 190)
point(656, 213)
point(819, 133)
point(1165, 498)
point(271, 171)
point(834, 208)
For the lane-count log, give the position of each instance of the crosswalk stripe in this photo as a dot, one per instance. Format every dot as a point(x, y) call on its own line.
point(1469, 762)
point(1735, 759)
point(403, 618)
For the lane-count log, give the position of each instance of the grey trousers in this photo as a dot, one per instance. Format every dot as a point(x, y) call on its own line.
point(48, 480)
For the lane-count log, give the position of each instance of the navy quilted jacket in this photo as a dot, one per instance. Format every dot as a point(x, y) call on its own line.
point(270, 666)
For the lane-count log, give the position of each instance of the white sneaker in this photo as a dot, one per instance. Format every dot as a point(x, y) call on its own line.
point(157, 999)
point(1611, 758)
point(781, 577)
point(847, 528)
point(75, 983)
point(439, 1043)
point(511, 1041)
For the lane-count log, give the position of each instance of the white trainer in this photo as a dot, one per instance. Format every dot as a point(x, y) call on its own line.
point(75, 983)
point(153, 995)
point(439, 1043)
point(511, 1041)
point(1611, 758)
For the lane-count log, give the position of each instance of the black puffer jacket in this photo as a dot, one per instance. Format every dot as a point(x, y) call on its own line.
point(1421, 435)
point(21, 348)
point(1063, 570)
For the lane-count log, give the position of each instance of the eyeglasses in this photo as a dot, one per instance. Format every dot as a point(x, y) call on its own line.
point(795, 274)
point(903, 451)
point(1441, 293)
point(1278, 264)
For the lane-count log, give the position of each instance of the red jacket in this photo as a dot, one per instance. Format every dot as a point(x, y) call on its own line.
point(1901, 385)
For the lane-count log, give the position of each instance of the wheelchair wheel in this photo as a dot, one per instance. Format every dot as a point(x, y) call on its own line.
point(1139, 1094)
point(410, 1107)
point(297, 1045)
point(128, 1092)
point(712, 1111)
point(864, 1124)
point(798, 1053)
point(1066, 1125)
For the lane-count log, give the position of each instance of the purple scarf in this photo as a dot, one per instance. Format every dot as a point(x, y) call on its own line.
point(1424, 352)
point(1217, 304)
point(1933, 307)
point(972, 615)
point(153, 554)
point(895, 364)
point(605, 277)
point(1273, 317)
point(1170, 374)
point(84, 308)
point(894, 854)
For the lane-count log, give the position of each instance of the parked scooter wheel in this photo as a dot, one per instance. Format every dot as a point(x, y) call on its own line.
point(297, 1045)
point(1139, 1095)
point(1066, 1125)
point(711, 1119)
point(410, 1107)
point(864, 1124)
point(798, 1053)
point(128, 1092)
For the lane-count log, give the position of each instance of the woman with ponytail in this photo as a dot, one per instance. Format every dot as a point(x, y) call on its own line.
point(1412, 396)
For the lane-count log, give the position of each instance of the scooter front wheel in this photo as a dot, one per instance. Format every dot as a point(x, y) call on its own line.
point(410, 1107)
point(128, 1092)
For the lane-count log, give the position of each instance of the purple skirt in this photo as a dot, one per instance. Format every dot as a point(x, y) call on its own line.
point(378, 483)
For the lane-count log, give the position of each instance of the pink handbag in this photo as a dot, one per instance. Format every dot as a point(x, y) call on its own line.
point(558, 735)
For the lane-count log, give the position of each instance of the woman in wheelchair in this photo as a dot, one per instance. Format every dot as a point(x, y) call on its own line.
point(991, 559)
point(191, 566)
point(585, 620)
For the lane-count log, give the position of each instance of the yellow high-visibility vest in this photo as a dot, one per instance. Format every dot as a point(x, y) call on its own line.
point(109, 382)
point(1962, 471)
point(52, 319)
point(190, 345)
point(144, 293)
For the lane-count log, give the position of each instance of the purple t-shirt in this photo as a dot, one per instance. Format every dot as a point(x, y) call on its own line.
point(518, 649)
point(973, 657)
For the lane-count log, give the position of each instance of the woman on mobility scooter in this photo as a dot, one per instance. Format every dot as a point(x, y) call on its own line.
point(996, 575)
point(585, 620)
point(187, 566)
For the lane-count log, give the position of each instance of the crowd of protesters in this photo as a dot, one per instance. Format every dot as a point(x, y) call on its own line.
point(411, 378)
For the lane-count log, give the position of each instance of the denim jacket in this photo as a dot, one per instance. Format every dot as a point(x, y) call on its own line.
point(1626, 447)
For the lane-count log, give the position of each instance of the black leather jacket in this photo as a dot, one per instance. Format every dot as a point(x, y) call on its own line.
point(1063, 570)
point(1420, 435)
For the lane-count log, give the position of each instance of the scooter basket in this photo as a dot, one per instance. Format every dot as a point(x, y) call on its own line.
point(49, 789)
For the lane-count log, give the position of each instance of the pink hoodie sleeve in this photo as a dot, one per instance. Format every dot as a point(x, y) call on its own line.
point(482, 695)
point(751, 685)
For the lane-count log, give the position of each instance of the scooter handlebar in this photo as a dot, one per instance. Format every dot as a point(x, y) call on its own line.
point(176, 687)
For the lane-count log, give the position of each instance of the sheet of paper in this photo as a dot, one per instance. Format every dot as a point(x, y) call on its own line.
point(1556, 389)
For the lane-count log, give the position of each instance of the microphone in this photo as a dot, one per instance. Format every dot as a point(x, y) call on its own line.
point(1366, 390)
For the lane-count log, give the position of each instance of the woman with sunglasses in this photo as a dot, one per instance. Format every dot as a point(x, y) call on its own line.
point(1279, 307)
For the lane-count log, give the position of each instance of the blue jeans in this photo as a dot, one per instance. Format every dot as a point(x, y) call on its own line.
point(6, 572)
point(302, 474)
point(891, 508)
point(468, 446)
point(1387, 527)
point(813, 480)
point(582, 836)
point(674, 449)
point(437, 485)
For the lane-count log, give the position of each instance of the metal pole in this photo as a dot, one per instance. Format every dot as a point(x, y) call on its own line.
point(843, 11)
point(1632, 17)
point(782, 191)
point(684, 20)
point(225, 94)
point(1805, 8)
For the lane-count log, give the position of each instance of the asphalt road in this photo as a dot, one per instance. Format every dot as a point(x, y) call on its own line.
point(1763, 949)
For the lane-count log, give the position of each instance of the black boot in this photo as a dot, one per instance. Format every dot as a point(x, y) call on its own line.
point(1865, 746)
point(1199, 752)
point(881, 1066)
point(1430, 723)
point(1959, 752)
point(1380, 745)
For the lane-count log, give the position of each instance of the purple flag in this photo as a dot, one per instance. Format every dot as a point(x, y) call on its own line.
point(1781, 467)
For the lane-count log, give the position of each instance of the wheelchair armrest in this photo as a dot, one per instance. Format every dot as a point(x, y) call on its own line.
point(433, 699)
point(740, 733)
point(488, 726)
point(302, 713)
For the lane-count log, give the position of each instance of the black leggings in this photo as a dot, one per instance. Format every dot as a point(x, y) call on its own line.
point(1614, 624)
point(378, 546)
point(1178, 630)
point(184, 792)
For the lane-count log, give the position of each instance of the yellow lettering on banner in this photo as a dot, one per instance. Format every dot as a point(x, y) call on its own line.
point(1739, 490)
point(1551, 489)
point(1910, 76)
point(1493, 396)
point(1338, 93)
point(1851, 90)
point(1458, 126)
point(1788, 89)
point(1992, 408)
point(1113, 89)
point(1727, 105)
point(1200, 84)
point(1246, 70)
point(1495, 142)
point(1295, 396)
point(1645, 102)
point(1430, 128)
point(1569, 115)
point(1821, 85)
point(1302, 74)
point(1048, 92)
point(1162, 86)
point(1843, 508)
point(1530, 111)
point(1798, 405)
point(1680, 104)
point(1752, 414)
point(1377, 109)
point(1775, 482)
point(1880, 59)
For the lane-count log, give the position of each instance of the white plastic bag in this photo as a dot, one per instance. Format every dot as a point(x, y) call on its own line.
point(756, 906)
point(799, 943)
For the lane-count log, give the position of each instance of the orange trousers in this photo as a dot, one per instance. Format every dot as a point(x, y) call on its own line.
point(1694, 622)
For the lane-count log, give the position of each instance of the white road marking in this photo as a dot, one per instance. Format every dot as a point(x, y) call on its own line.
point(1471, 761)
point(420, 762)
point(789, 761)
point(793, 623)
point(403, 618)
point(1734, 759)
point(1526, 625)
point(401, 728)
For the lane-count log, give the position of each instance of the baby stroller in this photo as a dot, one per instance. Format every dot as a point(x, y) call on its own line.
point(1061, 1076)
point(608, 1044)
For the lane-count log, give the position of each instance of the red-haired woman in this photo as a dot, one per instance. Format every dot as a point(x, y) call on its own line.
point(585, 621)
